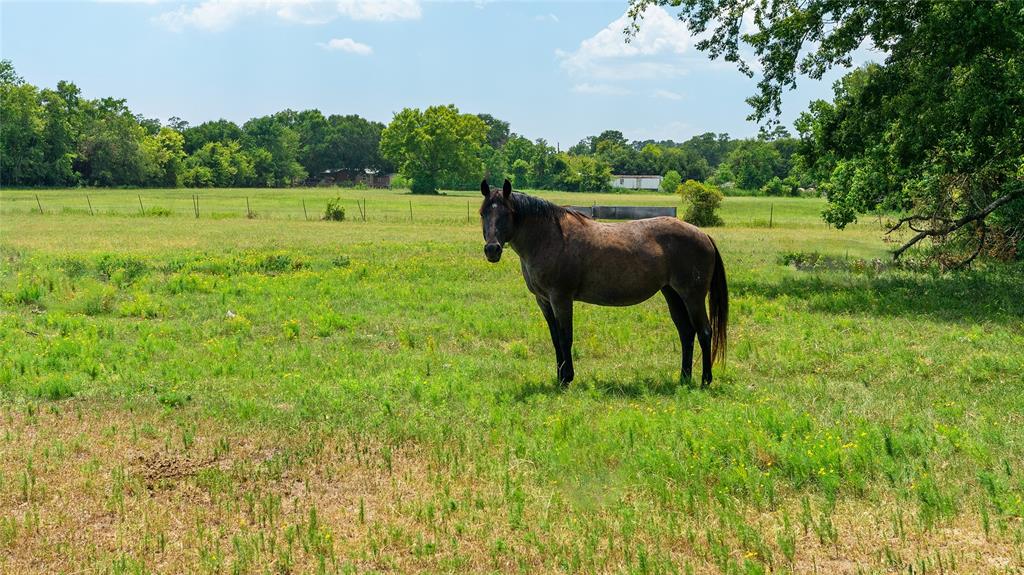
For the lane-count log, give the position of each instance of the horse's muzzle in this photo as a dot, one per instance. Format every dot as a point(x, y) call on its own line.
point(493, 252)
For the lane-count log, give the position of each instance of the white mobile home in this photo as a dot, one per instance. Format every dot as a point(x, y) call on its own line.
point(636, 182)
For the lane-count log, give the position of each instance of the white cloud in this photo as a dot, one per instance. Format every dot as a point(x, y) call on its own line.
point(347, 45)
point(380, 10)
point(546, 18)
point(215, 15)
point(607, 55)
point(667, 95)
point(604, 89)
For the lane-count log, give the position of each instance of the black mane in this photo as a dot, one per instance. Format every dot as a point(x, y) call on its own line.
point(525, 205)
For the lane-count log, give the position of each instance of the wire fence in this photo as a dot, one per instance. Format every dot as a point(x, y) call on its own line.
point(393, 208)
point(378, 206)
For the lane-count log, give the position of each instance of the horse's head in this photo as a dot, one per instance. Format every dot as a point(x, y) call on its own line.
point(497, 217)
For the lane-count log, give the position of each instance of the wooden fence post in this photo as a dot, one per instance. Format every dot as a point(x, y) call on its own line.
point(410, 210)
point(39, 204)
point(142, 210)
point(248, 212)
point(304, 212)
point(771, 215)
point(90, 205)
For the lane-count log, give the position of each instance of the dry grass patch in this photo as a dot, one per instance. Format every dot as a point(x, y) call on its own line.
point(97, 488)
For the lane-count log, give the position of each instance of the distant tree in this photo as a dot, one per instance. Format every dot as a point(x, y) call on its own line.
point(22, 128)
point(177, 124)
point(612, 138)
point(282, 142)
point(670, 183)
point(434, 145)
point(520, 171)
point(581, 173)
point(497, 131)
point(754, 163)
point(312, 130)
point(495, 163)
point(163, 158)
point(109, 152)
point(543, 168)
point(217, 131)
point(64, 119)
point(353, 143)
point(220, 164)
point(714, 148)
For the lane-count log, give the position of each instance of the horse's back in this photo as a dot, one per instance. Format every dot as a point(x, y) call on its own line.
point(627, 262)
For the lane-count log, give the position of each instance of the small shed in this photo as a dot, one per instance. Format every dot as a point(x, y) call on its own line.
point(636, 182)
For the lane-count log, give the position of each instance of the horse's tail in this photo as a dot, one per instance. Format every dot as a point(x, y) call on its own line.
point(719, 304)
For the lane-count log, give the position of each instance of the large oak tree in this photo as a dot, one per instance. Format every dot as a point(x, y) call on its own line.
point(935, 131)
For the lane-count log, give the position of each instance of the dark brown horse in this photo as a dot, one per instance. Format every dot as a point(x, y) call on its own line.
point(567, 257)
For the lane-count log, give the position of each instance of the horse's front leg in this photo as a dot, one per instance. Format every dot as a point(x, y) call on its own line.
point(563, 317)
point(549, 316)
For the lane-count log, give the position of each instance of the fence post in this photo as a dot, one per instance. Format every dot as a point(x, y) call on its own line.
point(39, 204)
point(410, 210)
point(195, 204)
point(364, 209)
point(304, 212)
point(467, 211)
point(248, 212)
point(771, 215)
point(142, 210)
point(90, 205)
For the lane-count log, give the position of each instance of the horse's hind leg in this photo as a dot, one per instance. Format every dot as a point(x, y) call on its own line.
point(699, 319)
point(681, 318)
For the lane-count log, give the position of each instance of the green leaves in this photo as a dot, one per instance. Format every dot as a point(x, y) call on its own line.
point(434, 145)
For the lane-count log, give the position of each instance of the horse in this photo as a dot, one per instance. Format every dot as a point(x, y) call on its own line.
point(566, 256)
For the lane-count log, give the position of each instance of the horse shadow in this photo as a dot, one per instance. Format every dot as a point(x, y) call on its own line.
point(633, 387)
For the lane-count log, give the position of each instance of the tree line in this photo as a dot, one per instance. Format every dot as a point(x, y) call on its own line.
point(57, 138)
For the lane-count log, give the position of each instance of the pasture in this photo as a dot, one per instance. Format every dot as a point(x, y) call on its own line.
point(235, 395)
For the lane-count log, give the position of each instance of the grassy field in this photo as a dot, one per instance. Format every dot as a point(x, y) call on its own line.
point(248, 395)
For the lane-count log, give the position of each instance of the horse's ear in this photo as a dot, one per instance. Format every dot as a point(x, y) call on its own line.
point(485, 189)
point(507, 188)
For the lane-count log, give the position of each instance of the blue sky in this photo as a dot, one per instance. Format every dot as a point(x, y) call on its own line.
point(556, 70)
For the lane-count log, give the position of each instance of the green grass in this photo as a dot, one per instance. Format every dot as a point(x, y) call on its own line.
point(865, 417)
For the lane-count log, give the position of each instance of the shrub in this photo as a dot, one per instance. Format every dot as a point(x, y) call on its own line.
point(670, 183)
point(777, 187)
point(334, 212)
point(400, 182)
point(703, 200)
point(120, 269)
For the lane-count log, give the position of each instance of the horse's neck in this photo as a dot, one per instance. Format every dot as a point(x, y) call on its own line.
point(536, 236)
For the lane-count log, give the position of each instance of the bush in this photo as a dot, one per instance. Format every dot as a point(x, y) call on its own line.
point(703, 200)
point(334, 211)
point(670, 183)
point(777, 187)
point(400, 182)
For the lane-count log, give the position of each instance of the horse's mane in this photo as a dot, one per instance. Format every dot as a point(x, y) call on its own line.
point(525, 205)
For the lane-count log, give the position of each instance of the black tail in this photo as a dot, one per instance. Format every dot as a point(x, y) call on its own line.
point(719, 304)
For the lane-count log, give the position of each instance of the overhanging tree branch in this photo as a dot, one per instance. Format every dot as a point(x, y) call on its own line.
point(950, 228)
